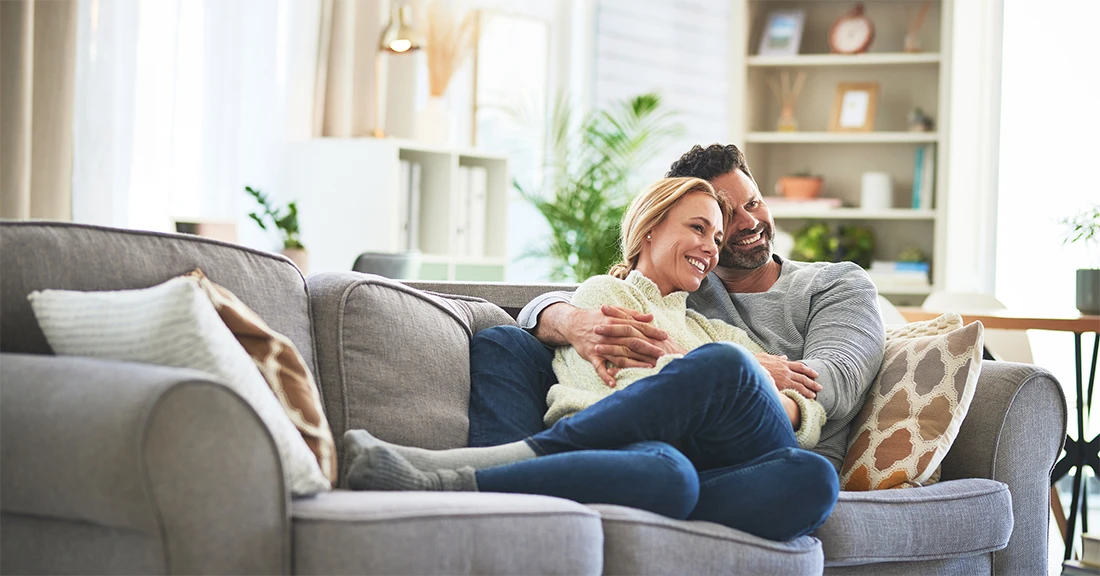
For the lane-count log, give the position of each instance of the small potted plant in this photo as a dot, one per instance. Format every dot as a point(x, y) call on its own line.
point(799, 186)
point(1084, 227)
point(285, 221)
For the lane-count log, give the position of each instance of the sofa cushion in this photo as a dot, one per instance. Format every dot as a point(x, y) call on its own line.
point(913, 411)
point(282, 367)
point(60, 255)
point(395, 360)
point(173, 324)
point(639, 542)
point(945, 520)
point(345, 532)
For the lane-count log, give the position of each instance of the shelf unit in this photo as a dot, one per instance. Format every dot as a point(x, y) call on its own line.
point(905, 80)
point(348, 197)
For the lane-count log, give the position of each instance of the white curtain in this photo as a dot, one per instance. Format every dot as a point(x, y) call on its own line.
point(181, 103)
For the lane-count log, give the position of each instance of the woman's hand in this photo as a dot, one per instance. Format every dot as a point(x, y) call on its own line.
point(620, 336)
point(787, 374)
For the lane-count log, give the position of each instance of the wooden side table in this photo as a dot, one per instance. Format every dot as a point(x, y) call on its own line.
point(1079, 453)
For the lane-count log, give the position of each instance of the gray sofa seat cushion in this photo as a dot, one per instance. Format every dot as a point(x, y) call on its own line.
point(344, 532)
point(638, 542)
point(395, 360)
point(60, 255)
point(944, 520)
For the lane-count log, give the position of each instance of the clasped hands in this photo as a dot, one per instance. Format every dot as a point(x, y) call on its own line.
point(613, 338)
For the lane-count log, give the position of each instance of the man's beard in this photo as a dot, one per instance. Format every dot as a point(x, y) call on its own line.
point(751, 260)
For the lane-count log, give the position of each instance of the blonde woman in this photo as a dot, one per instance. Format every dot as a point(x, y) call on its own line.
point(740, 461)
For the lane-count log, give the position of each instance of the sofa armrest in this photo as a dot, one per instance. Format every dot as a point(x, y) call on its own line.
point(1014, 433)
point(177, 464)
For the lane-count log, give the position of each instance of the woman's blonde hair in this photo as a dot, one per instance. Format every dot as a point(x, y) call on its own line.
point(650, 208)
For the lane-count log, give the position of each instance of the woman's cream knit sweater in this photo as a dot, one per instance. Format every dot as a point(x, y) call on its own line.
point(580, 387)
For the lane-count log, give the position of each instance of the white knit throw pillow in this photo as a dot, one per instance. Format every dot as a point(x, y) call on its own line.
point(173, 324)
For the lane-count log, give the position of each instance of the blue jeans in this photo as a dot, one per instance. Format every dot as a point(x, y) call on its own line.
point(716, 403)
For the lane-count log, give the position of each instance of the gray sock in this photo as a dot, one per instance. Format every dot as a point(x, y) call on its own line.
point(357, 441)
point(380, 468)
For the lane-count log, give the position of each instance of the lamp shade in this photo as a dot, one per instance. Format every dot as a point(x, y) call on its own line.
point(399, 36)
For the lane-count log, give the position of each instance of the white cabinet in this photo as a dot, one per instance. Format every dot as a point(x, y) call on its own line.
point(905, 80)
point(350, 194)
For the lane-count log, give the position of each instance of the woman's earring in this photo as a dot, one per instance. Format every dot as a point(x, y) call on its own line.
point(648, 236)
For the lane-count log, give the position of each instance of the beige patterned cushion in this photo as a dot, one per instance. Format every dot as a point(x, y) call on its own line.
point(915, 406)
point(283, 369)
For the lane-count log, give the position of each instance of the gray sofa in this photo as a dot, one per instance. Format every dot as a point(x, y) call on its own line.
point(112, 467)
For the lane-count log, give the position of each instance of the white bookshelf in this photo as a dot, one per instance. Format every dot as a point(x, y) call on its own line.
point(905, 80)
point(348, 193)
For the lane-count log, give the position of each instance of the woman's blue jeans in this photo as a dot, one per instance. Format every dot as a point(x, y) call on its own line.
point(738, 464)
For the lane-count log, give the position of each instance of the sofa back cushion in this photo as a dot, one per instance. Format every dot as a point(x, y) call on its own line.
point(66, 256)
point(394, 360)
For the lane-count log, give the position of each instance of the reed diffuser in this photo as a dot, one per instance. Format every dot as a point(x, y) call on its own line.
point(787, 93)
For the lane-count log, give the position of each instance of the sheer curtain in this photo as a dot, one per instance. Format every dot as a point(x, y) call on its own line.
point(181, 103)
point(1048, 143)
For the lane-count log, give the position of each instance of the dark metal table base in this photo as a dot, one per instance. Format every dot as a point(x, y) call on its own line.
point(1079, 453)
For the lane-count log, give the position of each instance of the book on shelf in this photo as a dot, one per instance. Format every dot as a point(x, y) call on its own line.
point(461, 213)
point(1077, 568)
point(410, 197)
point(889, 276)
point(784, 203)
point(890, 266)
point(924, 177)
point(478, 208)
point(1090, 550)
point(403, 204)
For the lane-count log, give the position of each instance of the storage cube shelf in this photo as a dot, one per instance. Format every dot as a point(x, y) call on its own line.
point(905, 80)
point(350, 196)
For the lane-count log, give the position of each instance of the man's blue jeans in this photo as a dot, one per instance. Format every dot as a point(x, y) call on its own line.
point(739, 463)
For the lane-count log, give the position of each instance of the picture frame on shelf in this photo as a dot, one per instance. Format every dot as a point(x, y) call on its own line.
point(782, 33)
point(854, 107)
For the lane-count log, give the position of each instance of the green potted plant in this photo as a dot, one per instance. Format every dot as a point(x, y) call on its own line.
point(1084, 227)
point(285, 221)
point(818, 243)
point(591, 166)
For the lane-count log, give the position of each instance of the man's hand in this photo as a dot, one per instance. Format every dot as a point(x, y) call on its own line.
point(623, 337)
point(791, 375)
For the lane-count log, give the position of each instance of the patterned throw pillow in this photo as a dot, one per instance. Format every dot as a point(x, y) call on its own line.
point(915, 406)
point(173, 324)
point(282, 367)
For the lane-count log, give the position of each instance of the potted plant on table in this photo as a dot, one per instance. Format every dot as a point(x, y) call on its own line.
point(285, 221)
point(1084, 227)
point(800, 186)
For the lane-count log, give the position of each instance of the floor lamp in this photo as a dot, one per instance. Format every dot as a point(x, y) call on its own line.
point(398, 37)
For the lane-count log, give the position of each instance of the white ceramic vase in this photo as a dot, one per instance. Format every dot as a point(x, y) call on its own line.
point(433, 122)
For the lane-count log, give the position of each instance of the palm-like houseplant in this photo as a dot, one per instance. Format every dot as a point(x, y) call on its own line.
point(591, 168)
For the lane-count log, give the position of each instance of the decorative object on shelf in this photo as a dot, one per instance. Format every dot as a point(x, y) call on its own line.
point(398, 37)
point(854, 107)
point(1084, 227)
point(800, 185)
point(591, 165)
point(916, 22)
point(852, 33)
point(448, 43)
point(920, 121)
point(876, 191)
point(912, 254)
point(285, 222)
point(787, 93)
point(782, 33)
point(818, 243)
point(924, 176)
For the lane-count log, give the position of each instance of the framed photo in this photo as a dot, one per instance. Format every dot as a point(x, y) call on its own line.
point(782, 33)
point(854, 108)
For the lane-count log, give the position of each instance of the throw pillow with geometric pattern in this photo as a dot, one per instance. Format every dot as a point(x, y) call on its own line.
point(914, 409)
point(282, 367)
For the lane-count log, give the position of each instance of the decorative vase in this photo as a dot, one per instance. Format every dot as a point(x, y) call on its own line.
point(1088, 290)
point(299, 257)
point(433, 122)
point(799, 187)
point(787, 121)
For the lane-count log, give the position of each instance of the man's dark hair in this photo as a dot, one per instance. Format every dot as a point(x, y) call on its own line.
point(710, 162)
